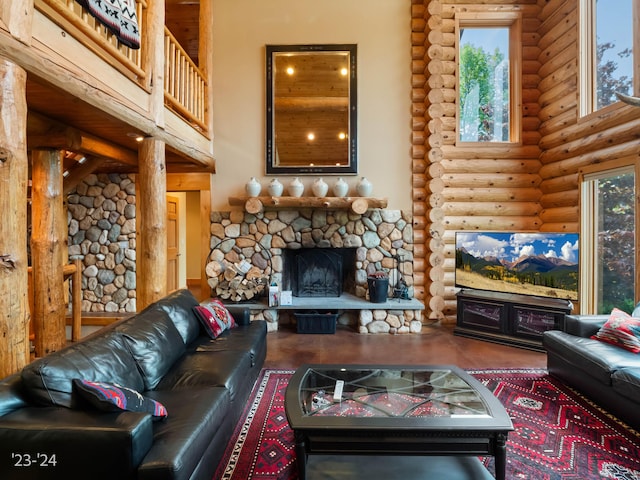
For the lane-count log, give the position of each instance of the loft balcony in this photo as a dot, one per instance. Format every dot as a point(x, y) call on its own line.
point(84, 86)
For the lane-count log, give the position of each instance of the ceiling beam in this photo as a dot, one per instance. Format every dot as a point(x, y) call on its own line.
point(44, 133)
point(80, 172)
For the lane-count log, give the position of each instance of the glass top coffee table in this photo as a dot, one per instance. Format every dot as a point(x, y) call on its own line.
point(394, 410)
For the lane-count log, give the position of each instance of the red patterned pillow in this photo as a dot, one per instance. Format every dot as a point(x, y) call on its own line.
point(621, 330)
point(110, 397)
point(214, 317)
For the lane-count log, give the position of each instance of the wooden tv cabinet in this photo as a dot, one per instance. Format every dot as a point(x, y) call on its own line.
point(509, 318)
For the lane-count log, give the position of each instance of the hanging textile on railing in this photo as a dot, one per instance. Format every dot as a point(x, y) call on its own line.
point(119, 16)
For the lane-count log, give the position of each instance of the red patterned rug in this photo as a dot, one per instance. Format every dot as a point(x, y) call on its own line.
point(558, 434)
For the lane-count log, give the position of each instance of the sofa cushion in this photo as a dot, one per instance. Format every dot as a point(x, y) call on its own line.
point(621, 330)
point(214, 317)
point(154, 342)
point(109, 397)
point(197, 416)
point(179, 306)
point(584, 325)
point(104, 358)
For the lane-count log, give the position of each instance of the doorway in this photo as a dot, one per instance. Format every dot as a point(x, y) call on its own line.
point(173, 242)
point(194, 225)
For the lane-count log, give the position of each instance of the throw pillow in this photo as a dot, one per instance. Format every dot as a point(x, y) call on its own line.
point(110, 397)
point(214, 317)
point(621, 330)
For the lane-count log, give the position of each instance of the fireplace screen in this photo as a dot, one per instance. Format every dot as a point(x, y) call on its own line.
point(315, 272)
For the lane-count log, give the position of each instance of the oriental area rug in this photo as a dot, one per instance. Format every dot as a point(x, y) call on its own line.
point(558, 434)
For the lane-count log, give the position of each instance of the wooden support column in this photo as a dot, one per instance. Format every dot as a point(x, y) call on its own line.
point(14, 298)
point(205, 240)
point(48, 251)
point(151, 279)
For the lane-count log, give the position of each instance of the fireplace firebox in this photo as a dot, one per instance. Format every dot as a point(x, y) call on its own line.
point(318, 272)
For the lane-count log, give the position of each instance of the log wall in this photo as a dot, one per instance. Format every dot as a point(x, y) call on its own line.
point(529, 186)
point(461, 187)
point(569, 142)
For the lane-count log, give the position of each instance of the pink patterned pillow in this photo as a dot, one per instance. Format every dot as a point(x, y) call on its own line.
point(214, 317)
point(621, 330)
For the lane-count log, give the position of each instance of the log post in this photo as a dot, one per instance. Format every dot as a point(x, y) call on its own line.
point(151, 278)
point(14, 301)
point(48, 248)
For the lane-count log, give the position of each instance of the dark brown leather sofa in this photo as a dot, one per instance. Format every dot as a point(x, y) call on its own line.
point(47, 431)
point(607, 374)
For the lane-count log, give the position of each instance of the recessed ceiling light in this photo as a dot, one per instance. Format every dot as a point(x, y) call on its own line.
point(138, 137)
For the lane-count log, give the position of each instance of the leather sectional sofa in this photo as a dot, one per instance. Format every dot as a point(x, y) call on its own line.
point(48, 430)
point(607, 374)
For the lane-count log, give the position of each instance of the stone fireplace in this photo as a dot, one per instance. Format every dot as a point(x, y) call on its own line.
point(309, 251)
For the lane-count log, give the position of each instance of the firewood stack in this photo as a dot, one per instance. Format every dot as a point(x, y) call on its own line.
point(238, 270)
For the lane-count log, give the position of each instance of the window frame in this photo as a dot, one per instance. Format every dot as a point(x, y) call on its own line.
point(587, 100)
point(513, 21)
point(588, 228)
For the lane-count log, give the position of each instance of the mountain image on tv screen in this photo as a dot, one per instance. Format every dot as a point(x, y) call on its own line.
point(539, 264)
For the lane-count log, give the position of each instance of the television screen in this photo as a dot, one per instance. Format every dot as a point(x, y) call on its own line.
point(540, 264)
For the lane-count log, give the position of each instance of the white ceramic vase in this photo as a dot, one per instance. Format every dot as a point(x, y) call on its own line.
point(364, 187)
point(319, 188)
point(340, 188)
point(295, 188)
point(275, 188)
point(253, 187)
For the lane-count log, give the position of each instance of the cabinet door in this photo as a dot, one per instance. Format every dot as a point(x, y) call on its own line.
point(480, 315)
point(531, 322)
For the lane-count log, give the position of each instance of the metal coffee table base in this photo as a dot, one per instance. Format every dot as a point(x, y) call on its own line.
point(376, 446)
point(357, 467)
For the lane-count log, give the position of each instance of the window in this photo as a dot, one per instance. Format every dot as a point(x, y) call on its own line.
point(607, 53)
point(608, 243)
point(488, 78)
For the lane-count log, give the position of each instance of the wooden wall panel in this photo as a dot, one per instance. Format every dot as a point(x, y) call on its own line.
point(529, 186)
point(485, 188)
point(569, 142)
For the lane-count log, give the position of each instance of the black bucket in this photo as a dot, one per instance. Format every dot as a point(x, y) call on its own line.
point(378, 289)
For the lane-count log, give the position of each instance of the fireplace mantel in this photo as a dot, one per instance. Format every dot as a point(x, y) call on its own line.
point(356, 204)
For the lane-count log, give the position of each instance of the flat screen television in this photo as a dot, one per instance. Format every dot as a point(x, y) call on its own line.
point(541, 264)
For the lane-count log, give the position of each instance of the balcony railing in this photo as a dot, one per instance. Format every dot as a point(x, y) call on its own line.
point(185, 85)
point(70, 15)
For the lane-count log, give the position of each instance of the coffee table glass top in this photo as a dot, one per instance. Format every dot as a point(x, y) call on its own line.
point(396, 392)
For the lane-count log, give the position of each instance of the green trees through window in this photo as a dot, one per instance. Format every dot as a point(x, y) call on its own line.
point(608, 240)
point(484, 84)
point(615, 242)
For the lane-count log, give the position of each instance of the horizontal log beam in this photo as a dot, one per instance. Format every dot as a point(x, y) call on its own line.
point(306, 202)
point(55, 135)
point(98, 95)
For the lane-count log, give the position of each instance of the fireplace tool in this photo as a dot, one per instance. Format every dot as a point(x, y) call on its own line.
point(401, 289)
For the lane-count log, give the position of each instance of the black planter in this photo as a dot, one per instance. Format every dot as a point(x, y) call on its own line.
point(378, 289)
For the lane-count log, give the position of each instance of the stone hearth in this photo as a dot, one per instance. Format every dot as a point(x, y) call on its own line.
point(382, 239)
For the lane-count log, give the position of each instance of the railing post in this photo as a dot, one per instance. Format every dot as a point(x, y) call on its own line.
point(76, 301)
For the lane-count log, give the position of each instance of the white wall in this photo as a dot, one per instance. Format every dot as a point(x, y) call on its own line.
point(193, 238)
point(382, 31)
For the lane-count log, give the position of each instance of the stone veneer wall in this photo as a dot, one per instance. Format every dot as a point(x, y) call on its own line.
point(378, 236)
point(102, 232)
